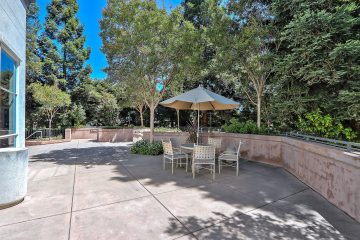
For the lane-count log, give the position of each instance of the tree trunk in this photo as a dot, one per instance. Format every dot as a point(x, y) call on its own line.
point(152, 119)
point(64, 66)
point(258, 107)
point(50, 120)
point(141, 117)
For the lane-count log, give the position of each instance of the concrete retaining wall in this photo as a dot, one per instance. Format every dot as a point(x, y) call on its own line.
point(29, 143)
point(100, 135)
point(332, 172)
point(81, 133)
point(115, 135)
point(13, 176)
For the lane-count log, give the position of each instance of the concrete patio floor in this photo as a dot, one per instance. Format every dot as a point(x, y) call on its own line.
point(88, 190)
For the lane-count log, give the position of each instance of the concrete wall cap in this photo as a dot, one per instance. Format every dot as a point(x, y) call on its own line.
point(12, 149)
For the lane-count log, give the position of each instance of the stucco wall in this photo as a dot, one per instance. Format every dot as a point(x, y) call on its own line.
point(265, 149)
point(332, 172)
point(115, 135)
point(101, 135)
point(14, 160)
point(81, 133)
point(13, 36)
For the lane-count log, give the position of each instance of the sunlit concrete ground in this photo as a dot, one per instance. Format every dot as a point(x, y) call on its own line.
point(88, 190)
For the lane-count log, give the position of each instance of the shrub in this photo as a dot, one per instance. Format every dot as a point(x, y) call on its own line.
point(324, 126)
point(248, 127)
point(166, 129)
point(146, 148)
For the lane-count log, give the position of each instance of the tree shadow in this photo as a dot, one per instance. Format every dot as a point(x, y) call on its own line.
point(262, 224)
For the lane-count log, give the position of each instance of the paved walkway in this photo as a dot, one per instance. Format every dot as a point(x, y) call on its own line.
point(87, 190)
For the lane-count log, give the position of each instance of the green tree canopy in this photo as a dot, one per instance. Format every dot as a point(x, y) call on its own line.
point(147, 47)
point(318, 64)
point(50, 98)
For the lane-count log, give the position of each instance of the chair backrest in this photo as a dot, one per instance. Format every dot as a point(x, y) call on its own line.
point(175, 142)
point(215, 142)
point(238, 150)
point(204, 152)
point(167, 146)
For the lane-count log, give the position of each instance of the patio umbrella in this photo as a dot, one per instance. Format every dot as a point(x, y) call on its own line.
point(200, 99)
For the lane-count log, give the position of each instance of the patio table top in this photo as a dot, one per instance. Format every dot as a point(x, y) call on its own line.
point(190, 146)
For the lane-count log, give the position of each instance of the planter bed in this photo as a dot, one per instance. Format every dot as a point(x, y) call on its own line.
point(44, 142)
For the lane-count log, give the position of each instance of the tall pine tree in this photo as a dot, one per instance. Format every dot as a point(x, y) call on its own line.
point(33, 61)
point(33, 26)
point(67, 33)
point(50, 59)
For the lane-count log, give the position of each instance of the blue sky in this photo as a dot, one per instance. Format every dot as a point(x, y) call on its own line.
point(90, 14)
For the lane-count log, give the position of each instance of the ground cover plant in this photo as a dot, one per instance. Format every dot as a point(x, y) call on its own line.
point(145, 147)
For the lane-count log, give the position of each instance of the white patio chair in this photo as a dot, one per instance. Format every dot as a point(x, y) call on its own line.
point(230, 159)
point(216, 143)
point(204, 155)
point(175, 144)
point(172, 156)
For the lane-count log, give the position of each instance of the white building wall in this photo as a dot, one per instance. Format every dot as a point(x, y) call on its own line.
point(13, 36)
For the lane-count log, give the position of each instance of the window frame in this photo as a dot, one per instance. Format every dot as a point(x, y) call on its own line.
point(13, 93)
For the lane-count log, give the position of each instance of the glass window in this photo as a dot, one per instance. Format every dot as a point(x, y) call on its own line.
point(7, 99)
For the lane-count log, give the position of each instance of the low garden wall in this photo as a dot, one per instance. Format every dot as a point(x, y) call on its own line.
point(115, 135)
point(29, 143)
point(332, 172)
point(100, 135)
point(81, 133)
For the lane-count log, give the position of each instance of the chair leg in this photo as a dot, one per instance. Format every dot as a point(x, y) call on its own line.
point(219, 165)
point(186, 164)
point(214, 172)
point(237, 168)
point(193, 170)
point(172, 166)
point(164, 163)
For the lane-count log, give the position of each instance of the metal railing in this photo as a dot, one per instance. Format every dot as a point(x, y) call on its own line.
point(44, 133)
point(33, 134)
point(350, 146)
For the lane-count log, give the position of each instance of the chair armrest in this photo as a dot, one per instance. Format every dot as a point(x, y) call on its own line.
point(229, 153)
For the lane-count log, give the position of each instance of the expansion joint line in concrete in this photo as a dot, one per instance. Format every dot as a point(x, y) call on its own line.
point(72, 197)
point(189, 232)
point(34, 219)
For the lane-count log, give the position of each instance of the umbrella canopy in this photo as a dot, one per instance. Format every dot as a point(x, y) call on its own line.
point(200, 99)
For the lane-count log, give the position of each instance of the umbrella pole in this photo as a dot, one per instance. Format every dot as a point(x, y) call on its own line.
point(178, 117)
point(198, 125)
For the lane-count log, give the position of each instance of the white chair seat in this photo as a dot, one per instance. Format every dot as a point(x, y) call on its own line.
point(228, 157)
point(173, 156)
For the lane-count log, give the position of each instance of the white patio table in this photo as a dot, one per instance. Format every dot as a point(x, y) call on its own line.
point(190, 146)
